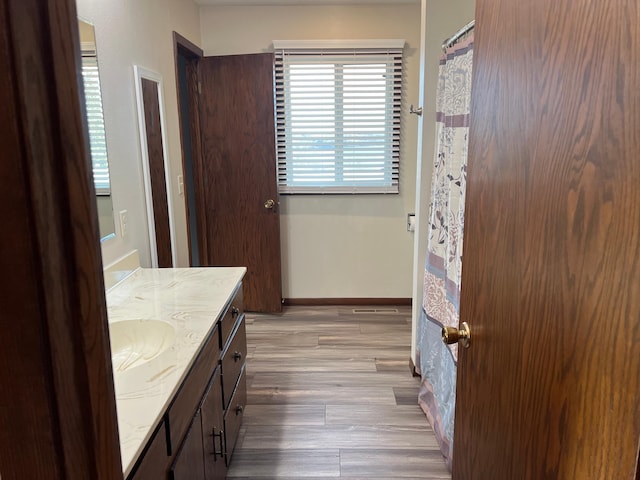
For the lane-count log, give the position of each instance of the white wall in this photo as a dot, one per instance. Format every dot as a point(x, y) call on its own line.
point(336, 246)
point(441, 19)
point(138, 32)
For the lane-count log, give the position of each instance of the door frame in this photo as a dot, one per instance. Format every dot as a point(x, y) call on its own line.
point(139, 74)
point(58, 354)
point(193, 53)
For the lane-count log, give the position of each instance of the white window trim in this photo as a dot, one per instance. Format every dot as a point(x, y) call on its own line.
point(320, 44)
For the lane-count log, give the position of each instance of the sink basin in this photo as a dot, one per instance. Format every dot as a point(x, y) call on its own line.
point(136, 342)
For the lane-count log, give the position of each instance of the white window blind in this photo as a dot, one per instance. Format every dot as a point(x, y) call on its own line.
point(338, 117)
point(95, 120)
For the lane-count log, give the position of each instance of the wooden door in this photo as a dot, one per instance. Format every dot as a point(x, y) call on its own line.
point(213, 430)
point(58, 410)
point(549, 387)
point(157, 176)
point(189, 462)
point(239, 169)
point(152, 464)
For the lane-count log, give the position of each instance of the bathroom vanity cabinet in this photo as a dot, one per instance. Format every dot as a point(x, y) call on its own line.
point(197, 435)
point(214, 429)
point(197, 425)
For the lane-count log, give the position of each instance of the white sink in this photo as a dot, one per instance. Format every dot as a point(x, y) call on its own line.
point(136, 342)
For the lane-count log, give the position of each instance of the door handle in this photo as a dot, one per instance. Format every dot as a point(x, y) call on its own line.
point(269, 204)
point(451, 335)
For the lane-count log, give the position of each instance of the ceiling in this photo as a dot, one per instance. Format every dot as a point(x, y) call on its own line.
point(300, 2)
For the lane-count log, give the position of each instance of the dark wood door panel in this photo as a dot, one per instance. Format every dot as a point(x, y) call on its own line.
point(155, 152)
point(550, 385)
point(239, 164)
point(58, 413)
point(29, 431)
point(189, 462)
point(154, 460)
point(213, 430)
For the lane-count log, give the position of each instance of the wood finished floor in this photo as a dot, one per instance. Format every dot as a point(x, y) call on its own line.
point(330, 395)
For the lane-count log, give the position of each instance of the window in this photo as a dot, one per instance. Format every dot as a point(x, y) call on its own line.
point(338, 116)
point(95, 121)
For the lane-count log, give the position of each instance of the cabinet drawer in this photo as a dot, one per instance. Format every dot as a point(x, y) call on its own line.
point(190, 394)
point(233, 416)
point(233, 360)
point(232, 314)
point(154, 461)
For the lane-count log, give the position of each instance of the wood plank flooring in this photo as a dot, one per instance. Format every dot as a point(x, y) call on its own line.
point(330, 395)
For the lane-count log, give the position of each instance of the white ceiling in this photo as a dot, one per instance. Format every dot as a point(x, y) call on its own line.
point(301, 2)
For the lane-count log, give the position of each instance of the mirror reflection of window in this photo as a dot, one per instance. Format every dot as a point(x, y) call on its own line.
point(95, 119)
point(96, 129)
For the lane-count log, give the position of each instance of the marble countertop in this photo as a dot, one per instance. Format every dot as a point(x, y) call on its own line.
point(189, 299)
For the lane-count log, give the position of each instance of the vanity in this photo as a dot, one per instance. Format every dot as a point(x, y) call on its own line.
point(178, 348)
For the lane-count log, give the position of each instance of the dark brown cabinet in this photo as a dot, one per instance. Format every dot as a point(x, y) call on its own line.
point(233, 415)
point(233, 359)
point(213, 431)
point(197, 434)
point(152, 462)
point(189, 464)
point(234, 384)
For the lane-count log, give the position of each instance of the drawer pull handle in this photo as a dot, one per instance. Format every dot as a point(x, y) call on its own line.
point(237, 356)
point(239, 409)
point(215, 435)
point(235, 311)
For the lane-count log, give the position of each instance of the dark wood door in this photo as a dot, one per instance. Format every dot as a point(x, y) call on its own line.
point(213, 430)
point(153, 127)
point(57, 403)
point(152, 464)
point(549, 387)
point(239, 169)
point(189, 462)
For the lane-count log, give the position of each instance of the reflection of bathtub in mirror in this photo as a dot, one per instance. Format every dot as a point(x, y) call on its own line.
point(95, 123)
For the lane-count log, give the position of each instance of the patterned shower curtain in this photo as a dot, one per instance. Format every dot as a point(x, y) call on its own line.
point(436, 361)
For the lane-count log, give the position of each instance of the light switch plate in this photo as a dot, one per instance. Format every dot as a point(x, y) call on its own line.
point(411, 222)
point(180, 185)
point(124, 223)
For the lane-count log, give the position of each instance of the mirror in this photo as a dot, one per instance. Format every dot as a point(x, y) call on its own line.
point(155, 167)
point(97, 134)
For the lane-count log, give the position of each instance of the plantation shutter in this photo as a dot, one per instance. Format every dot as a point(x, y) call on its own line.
point(95, 120)
point(338, 109)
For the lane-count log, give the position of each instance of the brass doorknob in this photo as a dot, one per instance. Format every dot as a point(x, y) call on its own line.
point(269, 204)
point(451, 335)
